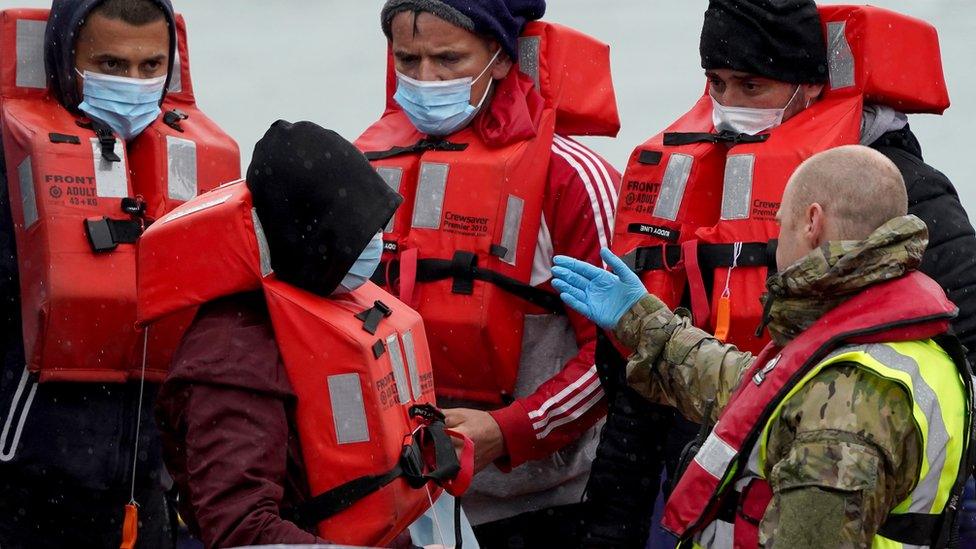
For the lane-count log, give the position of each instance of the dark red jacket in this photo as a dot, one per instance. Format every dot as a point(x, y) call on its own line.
point(226, 414)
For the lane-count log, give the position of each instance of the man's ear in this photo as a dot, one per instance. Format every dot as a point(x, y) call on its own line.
point(811, 92)
point(816, 225)
point(502, 65)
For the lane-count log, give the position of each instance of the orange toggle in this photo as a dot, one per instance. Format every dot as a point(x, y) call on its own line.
point(130, 527)
point(724, 320)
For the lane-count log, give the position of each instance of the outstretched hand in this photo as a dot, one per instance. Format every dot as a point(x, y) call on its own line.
point(602, 296)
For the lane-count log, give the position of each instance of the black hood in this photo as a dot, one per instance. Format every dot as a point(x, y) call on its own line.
point(320, 202)
point(63, 25)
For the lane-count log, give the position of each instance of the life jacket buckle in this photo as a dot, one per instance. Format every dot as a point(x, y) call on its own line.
point(172, 119)
point(135, 207)
point(107, 141)
point(427, 413)
point(412, 464)
point(374, 315)
point(463, 265)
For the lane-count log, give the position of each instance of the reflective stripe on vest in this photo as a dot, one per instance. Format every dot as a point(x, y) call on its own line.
point(393, 178)
point(429, 204)
point(181, 168)
point(932, 380)
point(30, 54)
point(673, 186)
point(717, 535)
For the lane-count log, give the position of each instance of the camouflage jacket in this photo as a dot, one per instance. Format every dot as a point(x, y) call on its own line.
point(845, 449)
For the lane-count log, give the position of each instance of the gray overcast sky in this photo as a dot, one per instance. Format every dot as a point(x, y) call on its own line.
point(255, 61)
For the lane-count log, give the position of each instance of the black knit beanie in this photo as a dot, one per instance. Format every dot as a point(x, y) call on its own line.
point(319, 201)
point(502, 20)
point(778, 39)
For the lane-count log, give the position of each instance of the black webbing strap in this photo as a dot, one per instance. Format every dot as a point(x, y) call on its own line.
point(64, 138)
point(411, 466)
point(464, 270)
point(105, 234)
point(463, 265)
point(753, 254)
point(458, 537)
point(424, 145)
point(676, 139)
point(653, 258)
point(710, 256)
point(340, 498)
point(106, 139)
point(371, 317)
point(912, 528)
point(448, 464)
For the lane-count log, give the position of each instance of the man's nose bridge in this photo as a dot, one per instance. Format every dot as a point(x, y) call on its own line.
point(426, 71)
point(731, 97)
point(132, 70)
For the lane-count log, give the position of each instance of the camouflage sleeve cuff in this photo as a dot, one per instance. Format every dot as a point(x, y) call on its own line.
point(632, 324)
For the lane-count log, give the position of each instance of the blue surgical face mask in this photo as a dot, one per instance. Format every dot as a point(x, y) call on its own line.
point(127, 105)
point(364, 267)
point(440, 107)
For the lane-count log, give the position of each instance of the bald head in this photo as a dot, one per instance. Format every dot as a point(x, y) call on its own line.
point(858, 188)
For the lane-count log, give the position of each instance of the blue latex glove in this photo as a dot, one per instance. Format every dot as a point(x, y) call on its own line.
point(599, 295)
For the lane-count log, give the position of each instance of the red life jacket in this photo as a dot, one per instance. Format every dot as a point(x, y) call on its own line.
point(460, 249)
point(689, 195)
point(77, 200)
point(879, 314)
point(359, 364)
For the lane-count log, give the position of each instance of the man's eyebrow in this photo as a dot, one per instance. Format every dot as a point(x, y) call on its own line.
point(107, 57)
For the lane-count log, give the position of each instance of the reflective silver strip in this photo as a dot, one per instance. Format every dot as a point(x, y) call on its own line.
point(673, 186)
point(176, 80)
point(28, 200)
point(30, 54)
point(528, 51)
point(11, 445)
point(937, 437)
point(841, 58)
point(264, 251)
point(181, 167)
point(111, 178)
point(393, 178)
point(348, 408)
point(715, 455)
point(513, 224)
point(411, 351)
point(429, 204)
point(717, 535)
point(737, 187)
point(186, 210)
point(399, 374)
